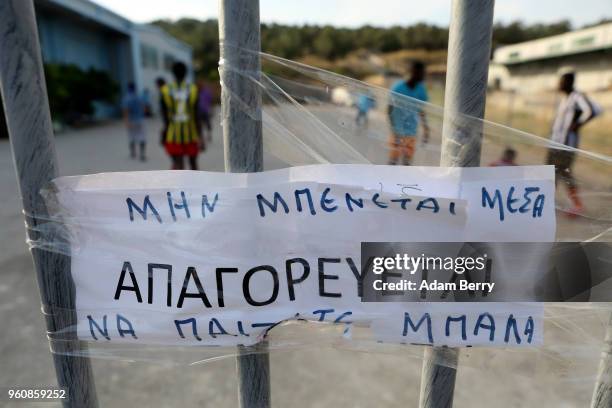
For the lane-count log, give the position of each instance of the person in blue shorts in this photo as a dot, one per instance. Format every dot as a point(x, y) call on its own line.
point(133, 114)
point(406, 115)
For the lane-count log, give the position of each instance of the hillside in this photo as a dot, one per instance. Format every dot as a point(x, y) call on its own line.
point(349, 51)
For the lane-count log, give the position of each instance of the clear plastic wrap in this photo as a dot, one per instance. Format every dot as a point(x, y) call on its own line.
point(311, 117)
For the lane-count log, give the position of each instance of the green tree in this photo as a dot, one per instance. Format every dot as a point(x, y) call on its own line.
point(331, 42)
point(72, 91)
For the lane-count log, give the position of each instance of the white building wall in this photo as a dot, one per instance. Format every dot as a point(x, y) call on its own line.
point(593, 73)
point(574, 42)
point(155, 51)
point(535, 65)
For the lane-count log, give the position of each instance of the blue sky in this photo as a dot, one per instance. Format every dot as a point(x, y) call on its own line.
point(353, 13)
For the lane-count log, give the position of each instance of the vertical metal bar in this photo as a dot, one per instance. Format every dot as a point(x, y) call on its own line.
point(24, 95)
point(438, 377)
point(243, 149)
point(469, 51)
point(241, 96)
point(253, 365)
point(602, 394)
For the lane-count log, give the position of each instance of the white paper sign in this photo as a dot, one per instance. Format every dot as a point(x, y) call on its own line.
point(201, 258)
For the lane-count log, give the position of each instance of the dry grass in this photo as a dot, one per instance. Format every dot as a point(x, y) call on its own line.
point(399, 61)
point(534, 114)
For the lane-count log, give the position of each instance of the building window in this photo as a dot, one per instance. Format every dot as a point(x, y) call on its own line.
point(584, 41)
point(168, 62)
point(514, 56)
point(497, 83)
point(149, 57)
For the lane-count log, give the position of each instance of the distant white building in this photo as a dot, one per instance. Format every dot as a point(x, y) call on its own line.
point(85, 34)
point(157, 52)
point(535, 65)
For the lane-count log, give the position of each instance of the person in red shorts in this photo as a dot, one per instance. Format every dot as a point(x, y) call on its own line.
point(181, 135)
point(507, 158)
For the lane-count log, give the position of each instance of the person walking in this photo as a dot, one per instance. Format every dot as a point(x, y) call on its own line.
point(181, 135)
point(146, 98)
point(405, 115)
point(574, 111)
point(365, 102)
point(159, 84)
point(133, 115)
point(205, 99)
point(507, 159)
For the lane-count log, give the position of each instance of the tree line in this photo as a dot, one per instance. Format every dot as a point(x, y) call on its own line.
point(335, 42)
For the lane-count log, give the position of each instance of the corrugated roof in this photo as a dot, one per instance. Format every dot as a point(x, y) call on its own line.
point(108, 18)
point(93, 11)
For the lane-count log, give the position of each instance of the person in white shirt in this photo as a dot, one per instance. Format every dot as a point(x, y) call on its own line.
point(574, 111)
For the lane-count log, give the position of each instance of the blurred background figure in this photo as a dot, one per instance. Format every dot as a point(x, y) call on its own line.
point(159, 83)
point(146, 98)
point(404, 115)
point(181, 129)
point(133, 114)
point(573, 112)
point(507, 159)
point(365, 102)
point(205, 100)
